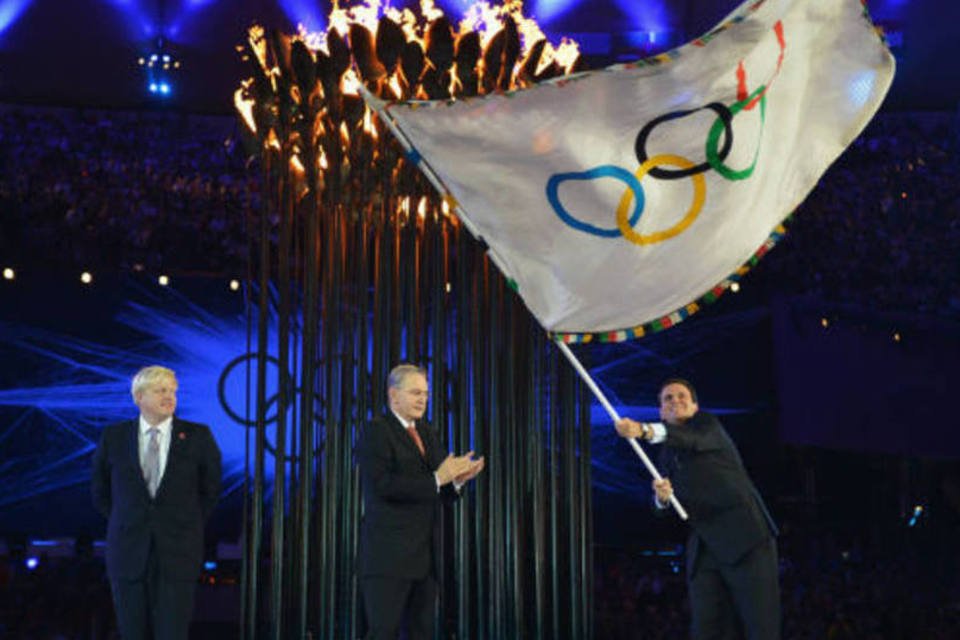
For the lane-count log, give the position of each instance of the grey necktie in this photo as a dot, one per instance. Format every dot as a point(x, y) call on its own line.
point(151, 462)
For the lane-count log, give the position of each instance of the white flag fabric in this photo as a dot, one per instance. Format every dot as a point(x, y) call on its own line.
point(618, 200)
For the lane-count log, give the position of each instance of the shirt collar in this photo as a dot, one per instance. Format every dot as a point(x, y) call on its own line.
point(165, 427)
point(403, 423)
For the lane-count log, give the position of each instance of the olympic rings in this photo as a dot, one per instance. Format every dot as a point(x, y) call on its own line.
point(713, 156)
point(699, 196)
point(603, 171)
point(716, 156)
point(640, 146)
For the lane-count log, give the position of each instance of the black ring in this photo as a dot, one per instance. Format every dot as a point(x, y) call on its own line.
point(723, 112)
point(283, 380)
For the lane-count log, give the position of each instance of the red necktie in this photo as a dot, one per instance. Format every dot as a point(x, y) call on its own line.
point(412, 432)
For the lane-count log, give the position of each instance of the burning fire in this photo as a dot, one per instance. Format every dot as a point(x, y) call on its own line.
point(303, 102)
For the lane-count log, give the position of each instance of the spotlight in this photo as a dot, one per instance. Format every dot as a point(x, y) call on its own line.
point(159, 66)
point(824, 323)
point(163, 281)
point(896, 336)
point(915, 516)
point(234, 285)
point(32, 562)
point(9, 274)
point(735, 287)
point(86, 277)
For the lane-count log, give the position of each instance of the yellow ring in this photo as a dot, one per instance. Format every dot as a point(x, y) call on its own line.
point(699, 195)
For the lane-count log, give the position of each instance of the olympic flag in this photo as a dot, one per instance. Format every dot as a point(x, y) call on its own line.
point(619, 200)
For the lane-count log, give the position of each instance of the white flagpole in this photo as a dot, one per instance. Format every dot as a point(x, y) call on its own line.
point(616, 417)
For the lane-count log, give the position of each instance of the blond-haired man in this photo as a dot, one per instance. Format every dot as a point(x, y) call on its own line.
point(156, 478)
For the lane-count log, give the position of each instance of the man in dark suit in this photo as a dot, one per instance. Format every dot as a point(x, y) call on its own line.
point(732, 566)
point(156, 479)
point(406, 475)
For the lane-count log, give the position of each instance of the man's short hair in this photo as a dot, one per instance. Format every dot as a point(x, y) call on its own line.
point(399, 373)
point(147, 376)
point(684, 382)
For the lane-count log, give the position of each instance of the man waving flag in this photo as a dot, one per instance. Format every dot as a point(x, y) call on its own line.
point(619, 200)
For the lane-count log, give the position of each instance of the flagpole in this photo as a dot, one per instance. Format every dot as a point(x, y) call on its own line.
point(616, 418)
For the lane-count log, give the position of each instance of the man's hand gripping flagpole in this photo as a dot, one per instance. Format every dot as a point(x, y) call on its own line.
point(616, 417)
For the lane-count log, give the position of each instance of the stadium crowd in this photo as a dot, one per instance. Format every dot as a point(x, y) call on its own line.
point(151, 190)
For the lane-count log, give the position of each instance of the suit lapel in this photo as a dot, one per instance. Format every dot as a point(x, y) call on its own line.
point(178, 439)
point(133, 451)
point(406, 442)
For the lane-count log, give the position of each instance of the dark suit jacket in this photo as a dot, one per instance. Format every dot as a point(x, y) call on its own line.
point(399, 531)
point(173, 520)
point(710, 481)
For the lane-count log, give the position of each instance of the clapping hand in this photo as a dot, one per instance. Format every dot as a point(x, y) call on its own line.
point(476, 466)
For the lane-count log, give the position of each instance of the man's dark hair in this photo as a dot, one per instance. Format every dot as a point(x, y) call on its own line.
point(684, 382)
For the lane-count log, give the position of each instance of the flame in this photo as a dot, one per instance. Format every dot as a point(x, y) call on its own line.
point(258, 43)
point(408, 23)
point(488, 20)
point(367, 14)
point(313, 40)
point(297, 166)
point(244, 105)
point(369, 126)
point(350, 83)
point(327, 127)
point(429, 11)
point(566, 55)
point(395, 87)
point(272, 141)
point(483, 18)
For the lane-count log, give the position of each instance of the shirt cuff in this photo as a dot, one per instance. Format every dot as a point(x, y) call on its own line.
point(659, 432)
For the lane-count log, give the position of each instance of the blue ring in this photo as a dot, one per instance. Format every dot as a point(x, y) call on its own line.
point(603, 171)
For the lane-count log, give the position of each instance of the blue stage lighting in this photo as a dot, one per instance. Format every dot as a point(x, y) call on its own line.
point(305, 12)
point(159, 67)
point(10, 10)
point(32, 562)
point(210, 565)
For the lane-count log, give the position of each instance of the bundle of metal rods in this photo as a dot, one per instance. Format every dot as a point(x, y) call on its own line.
point(360, 266)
